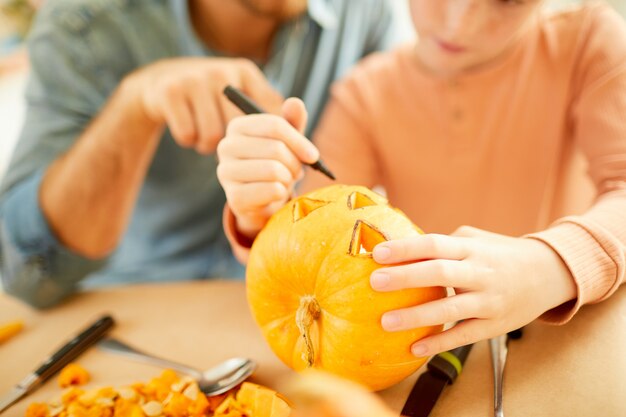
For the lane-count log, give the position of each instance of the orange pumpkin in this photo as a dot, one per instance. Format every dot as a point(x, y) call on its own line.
point(262, 401)
point(309, 290)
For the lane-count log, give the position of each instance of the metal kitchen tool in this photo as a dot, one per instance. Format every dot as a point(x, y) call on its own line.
point(213, 381)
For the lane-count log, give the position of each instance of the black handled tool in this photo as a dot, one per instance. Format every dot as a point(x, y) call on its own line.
point(58, 360)
point(443, 369)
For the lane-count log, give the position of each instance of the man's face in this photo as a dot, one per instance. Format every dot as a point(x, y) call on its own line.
point(278, 9)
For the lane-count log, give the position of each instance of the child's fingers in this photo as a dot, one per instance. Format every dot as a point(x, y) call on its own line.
point(445, 310)
point(294, 111)
point(259, 148)
point(277, 128)
point(243, 197)
point(464, 333)
point(432, 273)
point(255, 170)
point(430, 246)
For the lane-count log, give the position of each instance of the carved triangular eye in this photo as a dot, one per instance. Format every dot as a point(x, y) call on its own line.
point(364, 238)
point(358, 200)
point(304, 206)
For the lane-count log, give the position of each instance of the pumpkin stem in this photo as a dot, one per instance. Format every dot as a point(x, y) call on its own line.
point(307, 313)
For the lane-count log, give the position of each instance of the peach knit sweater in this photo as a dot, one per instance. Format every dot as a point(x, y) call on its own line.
point(531, 144)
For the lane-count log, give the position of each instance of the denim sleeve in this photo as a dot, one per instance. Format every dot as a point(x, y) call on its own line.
point(62, 95)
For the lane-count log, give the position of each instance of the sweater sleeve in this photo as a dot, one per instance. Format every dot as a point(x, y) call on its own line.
point(593, 245)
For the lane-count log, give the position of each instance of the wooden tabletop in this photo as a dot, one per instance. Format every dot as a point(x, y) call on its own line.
point(576, 370)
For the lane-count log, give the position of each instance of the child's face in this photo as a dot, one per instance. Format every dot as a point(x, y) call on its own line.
point(458, 35)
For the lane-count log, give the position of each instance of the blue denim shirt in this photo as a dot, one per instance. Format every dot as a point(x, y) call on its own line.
point(80, 50)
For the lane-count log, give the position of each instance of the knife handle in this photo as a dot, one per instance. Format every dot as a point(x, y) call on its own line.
point(448, 365)
point(73, 348)
point(461, 352)
point(516, 334)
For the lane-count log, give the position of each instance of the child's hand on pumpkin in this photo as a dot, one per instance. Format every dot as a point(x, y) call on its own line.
point(501, 284)
point(260, 160)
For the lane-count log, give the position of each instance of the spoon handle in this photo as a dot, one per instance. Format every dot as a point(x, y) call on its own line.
point(115, 346)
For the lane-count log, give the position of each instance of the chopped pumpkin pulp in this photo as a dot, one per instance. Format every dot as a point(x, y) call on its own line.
point(167, 395)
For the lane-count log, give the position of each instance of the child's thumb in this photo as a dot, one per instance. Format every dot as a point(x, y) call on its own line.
point(294, 111)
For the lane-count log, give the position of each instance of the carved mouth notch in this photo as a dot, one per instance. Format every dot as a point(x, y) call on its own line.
point(305, 206)
point(358, 200)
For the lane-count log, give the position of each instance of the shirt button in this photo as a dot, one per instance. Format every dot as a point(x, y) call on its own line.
point(457, 115)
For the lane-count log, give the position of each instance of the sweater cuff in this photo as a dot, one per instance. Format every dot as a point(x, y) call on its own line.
point(240, 244)
point(594, 259)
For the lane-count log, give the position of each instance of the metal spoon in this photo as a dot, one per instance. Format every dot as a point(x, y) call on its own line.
point(213, 381)
point(499, 350)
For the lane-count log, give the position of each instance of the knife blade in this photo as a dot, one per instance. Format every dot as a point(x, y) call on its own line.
point(57, 361)
point(499, 349)
point(442, 369)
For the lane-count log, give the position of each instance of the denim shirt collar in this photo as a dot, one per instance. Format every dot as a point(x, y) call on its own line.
point(323, 13)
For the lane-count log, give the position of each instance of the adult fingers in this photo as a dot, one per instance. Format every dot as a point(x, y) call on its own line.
point(255, 85)
point(179, 117)
point(209, 119)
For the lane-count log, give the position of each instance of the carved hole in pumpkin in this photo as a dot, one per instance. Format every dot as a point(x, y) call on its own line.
point(364, 238)
point(358, 200)
point(304, 206)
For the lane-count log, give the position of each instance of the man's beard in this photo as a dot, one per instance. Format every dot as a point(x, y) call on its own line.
point(277, 13)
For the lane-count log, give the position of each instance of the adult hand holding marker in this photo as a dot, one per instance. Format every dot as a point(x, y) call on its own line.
point(246, 105)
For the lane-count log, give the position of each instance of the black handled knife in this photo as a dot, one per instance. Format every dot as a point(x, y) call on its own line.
point(58, 360)
point(442, 369)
